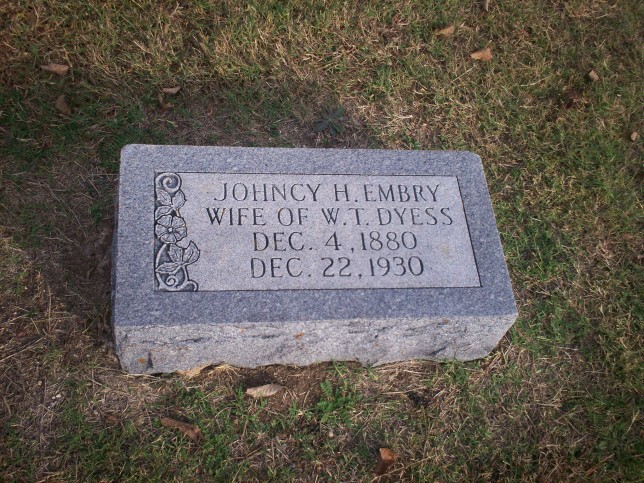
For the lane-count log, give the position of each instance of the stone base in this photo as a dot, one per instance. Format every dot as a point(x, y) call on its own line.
point(157, 349)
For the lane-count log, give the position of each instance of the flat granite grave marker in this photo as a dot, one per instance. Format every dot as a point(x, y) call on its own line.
point(256, 256)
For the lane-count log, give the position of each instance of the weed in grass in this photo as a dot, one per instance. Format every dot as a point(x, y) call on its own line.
point(336, 404)
point(331, 121)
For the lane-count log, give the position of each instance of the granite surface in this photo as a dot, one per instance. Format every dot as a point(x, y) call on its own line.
point(256, 256)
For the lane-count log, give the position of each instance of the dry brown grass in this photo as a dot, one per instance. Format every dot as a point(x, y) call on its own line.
point(560, 398)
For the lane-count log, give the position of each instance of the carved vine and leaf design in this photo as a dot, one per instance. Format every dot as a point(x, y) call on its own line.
point(172, 251)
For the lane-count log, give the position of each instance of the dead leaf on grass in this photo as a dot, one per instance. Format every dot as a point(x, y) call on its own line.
point(634, 136)
point(266, 390)
point(194, 372)
point(61, 105)
point(59, 69)
point(386, 458)
point(171, 90)
point(486, 5)
point(571, 97)
point(445, 32)
point(112, 419)
point(164, 105)
point(189, 430)
point(593, 76)
point(482, 55)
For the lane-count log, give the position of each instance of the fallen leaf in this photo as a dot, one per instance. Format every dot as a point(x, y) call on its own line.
point(171, 90)
point(266, 390)
point(194, 372)
point(61, 105)
point(299, 336)
point(483, 54)
point(164, 105)
point(386, 458)
point(486, 5)
point(634, 136)
point(592, 75)
point(110, 418)
point(59, 69)
point(571, 97)
point(189, 430)
point(445, 32)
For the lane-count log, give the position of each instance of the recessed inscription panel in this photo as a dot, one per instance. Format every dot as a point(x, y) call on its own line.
point(225, 231)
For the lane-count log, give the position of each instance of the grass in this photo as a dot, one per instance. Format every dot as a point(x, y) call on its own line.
point(559, 398)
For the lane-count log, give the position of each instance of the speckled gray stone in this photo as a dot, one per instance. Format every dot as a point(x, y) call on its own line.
point(257, 256)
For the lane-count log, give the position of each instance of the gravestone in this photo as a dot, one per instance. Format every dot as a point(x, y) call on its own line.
point(255, 256)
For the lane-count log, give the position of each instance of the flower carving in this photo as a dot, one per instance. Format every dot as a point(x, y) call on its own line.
point(170, 229)
point(171, 253)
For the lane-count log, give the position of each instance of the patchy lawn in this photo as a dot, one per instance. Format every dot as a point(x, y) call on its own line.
point(560, 398)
